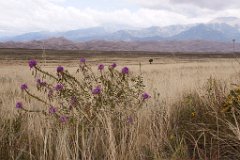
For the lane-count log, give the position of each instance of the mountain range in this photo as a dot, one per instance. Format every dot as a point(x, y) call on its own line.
point(148, 46)
point(214, 36)
point(222, 29)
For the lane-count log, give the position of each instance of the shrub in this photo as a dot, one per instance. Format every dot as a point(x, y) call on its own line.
point(150, 61)
point(103, 102)
point(85, 95)
point(209, 130)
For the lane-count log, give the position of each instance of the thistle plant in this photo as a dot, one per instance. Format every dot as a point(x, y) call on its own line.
point(86, 94)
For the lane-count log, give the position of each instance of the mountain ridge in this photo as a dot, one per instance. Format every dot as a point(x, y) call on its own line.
point(222, 29)
point(214, 36)
point(150, 46)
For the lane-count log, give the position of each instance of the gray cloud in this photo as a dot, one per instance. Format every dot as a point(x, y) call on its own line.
point(211, 4)
point(208, 4)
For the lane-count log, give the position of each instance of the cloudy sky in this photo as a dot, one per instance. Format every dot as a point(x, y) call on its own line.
point(20, 16)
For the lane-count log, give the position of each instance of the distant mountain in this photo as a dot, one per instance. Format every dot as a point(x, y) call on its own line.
point(32, 36)
point(222, 29)
point(101, 33)
point(74, 35)
point(147, 34)
point(232, 21)
point(211, 32)
point(151, 46)
point(84, 34)
point(162, 31)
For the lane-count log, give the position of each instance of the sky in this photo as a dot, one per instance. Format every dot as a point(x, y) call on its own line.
point(22, 16)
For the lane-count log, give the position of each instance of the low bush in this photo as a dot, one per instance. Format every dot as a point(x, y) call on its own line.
point(209, 124)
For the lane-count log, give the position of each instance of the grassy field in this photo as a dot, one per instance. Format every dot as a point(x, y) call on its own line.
point(158, 132)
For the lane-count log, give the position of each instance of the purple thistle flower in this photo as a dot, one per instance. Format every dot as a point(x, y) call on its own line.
point(100, 67)
point(114, 65)
point(145, 96)
point(73, 101)
point(24, 87)
point(59, 87)
point(38, 81)
point(19, 105)
point(50, 93)
point(32, 63)
point(63, 119)
point(60, 69)
point(130, 120)
point(82, 60)
point(96, 90)
point(125, 70)
point(41, 83)
point(52, 110)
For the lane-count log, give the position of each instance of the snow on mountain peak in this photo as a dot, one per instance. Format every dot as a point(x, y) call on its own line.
point(232, 21)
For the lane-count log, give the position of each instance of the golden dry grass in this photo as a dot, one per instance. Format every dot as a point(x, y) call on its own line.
point(167, 80)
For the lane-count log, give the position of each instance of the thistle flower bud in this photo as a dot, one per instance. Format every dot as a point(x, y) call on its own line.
point(100, 67)
point(24, 87)
point(96, 90)
point(60, 69)
point(125, 70)
point(145, 96)
point(32, 63)
point(19, 105)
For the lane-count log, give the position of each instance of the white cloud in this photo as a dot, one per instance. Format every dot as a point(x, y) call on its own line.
point(31, 15)
point(19, 16)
